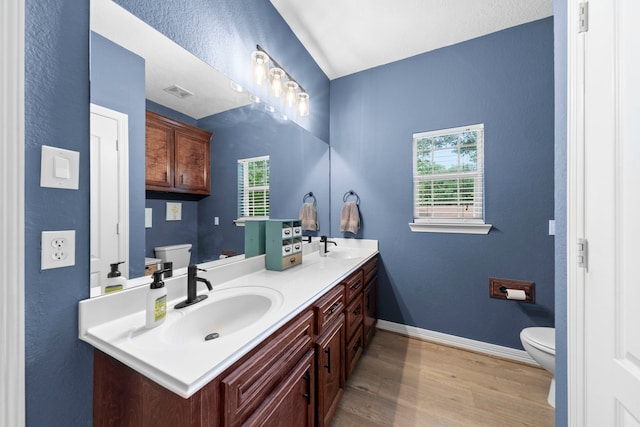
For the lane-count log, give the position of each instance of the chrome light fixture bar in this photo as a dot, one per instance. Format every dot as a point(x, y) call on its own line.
point(281, 84)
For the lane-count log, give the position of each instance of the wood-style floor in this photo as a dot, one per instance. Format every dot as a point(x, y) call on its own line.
point(401, 381)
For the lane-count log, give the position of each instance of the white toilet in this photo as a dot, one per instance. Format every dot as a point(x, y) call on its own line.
point(179, 255)
point(540, 343)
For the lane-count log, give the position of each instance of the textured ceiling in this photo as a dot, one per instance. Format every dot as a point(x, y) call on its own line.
point(347, 36)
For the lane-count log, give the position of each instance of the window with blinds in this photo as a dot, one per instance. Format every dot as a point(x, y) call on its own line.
point(448, 176)
point(253, 187)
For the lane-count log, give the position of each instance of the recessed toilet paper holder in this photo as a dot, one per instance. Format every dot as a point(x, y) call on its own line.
point(498, 289)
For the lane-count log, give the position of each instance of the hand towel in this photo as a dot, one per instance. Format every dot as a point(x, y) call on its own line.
point(350, 218)
point(309, 217)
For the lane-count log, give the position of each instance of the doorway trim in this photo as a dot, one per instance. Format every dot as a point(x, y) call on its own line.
point(12, 246)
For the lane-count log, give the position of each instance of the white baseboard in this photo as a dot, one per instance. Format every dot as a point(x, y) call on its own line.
point(459, 342)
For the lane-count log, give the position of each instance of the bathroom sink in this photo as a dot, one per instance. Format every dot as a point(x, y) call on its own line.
point(224, 313)
point(345, 253)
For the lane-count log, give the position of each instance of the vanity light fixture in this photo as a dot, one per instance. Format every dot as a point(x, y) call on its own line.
point(281, 84)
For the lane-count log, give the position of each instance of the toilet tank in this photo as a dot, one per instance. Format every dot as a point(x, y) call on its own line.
point(179, 255)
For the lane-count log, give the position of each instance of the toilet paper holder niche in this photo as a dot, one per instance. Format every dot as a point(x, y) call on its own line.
point(498, 289)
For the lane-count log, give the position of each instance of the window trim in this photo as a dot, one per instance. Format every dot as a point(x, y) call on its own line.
point(240, 221)
point(449, 225)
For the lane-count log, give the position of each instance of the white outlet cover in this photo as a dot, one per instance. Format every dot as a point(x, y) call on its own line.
point(59, 168)
point(58, 249)
point(174, 211)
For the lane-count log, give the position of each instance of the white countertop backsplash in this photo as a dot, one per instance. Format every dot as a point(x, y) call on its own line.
point(109, 322)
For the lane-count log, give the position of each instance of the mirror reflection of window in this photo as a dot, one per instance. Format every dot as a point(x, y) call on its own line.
point(253, 188)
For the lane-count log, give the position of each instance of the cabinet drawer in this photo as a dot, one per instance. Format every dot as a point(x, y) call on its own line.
point(287, 249)
point(354, 315)
point(290, 261)
point(353, 285)
point(287, 232)
point(292, 402)
point(370, 270)
point(251, 382)
point(353, 352)
point(329, 307)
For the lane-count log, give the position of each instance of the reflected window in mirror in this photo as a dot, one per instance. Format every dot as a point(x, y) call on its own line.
point(253, 188)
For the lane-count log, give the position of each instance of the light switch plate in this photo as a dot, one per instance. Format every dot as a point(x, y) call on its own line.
point(148, 217)
point(174, 211)
point(59, 168)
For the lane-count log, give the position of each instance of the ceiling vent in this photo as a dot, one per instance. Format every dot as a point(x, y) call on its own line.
point(178, 91)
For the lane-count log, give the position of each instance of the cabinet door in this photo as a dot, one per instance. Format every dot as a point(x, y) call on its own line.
point(192, 162)
point(330, 354)
point(159, 153)
point(292, 402)
point(370, 310)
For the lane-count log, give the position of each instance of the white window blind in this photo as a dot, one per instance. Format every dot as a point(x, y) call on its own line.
point(448, 176)
point(253, 187)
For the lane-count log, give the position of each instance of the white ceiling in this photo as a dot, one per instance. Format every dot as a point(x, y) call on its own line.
point(347, 36)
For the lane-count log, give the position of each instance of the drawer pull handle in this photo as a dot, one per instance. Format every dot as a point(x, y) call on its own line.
point(292, 260)
point(354, 286)
point(181, 178)
point(334, 307)
point(328, 365)
point(356, 312)
point(307, 395)
point(357, 346)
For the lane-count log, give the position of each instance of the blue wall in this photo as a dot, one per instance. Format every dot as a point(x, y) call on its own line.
point(225, 35)
point(560, 170)
point(117, 82)
point(440, 281)
point(299, 163)
point(58, 365)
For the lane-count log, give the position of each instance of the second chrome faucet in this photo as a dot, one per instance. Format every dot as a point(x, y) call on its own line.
point(192, 287)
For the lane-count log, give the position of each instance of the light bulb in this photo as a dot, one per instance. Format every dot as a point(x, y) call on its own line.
point(259, 67)
point(277, 81)
point(291, 93)
point(303, 104)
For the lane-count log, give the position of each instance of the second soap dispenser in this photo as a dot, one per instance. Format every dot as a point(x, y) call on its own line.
point(156, 301)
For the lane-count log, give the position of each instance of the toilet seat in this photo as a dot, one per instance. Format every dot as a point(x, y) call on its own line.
point(544, 339)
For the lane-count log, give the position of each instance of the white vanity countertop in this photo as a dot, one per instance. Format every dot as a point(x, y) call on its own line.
point(114, 323)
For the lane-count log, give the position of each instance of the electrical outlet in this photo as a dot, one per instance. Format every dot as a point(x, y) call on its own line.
point(58, 249)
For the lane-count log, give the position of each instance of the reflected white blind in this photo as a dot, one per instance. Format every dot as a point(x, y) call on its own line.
point(448, 175)
point(253, 187)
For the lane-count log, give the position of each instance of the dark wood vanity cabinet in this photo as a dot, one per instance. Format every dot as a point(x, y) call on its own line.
point(177, 156)
point(354, 315)
point(330, 353)
point(262, 383)
point(370, 302)
point(296, 377)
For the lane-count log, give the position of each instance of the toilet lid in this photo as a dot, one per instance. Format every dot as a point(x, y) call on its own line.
point(544, 338)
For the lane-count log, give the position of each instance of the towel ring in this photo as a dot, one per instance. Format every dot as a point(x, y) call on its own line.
point(308, 196)
point(349, 194)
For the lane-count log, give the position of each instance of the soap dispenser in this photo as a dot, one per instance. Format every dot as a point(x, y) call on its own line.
point(115, 280)
point(156, 301)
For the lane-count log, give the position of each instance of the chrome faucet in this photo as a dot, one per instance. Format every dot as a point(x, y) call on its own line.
point(323, 245)
point(192, 287)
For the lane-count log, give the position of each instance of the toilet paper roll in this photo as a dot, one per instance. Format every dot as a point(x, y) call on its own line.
point(516, 294)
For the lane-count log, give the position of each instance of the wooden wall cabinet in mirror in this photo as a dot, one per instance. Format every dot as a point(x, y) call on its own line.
point(177, 156)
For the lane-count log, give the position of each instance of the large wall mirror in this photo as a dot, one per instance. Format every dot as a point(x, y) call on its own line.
point(135, 69)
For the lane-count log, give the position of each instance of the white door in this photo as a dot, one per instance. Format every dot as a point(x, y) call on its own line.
point(611, 216)
point(109, 194)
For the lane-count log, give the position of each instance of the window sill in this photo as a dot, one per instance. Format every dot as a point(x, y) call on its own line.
point(461, 228)
point(240, 222)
